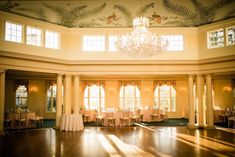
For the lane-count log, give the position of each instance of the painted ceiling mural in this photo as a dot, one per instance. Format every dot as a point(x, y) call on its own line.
point(120, 13)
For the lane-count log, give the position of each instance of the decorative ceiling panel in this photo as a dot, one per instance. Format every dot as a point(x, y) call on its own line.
point(120, 13)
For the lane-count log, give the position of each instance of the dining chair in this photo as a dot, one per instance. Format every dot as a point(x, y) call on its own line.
point(111, 119)
point(155, 114)
point(86, 116)
point(21, 120)
point(99, 119)
point(125, 119)
point(7, 120)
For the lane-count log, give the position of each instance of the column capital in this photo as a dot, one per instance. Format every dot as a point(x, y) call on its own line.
point(75, 76)
point(199, 75)
point(59, 74)
point(190, 75)
point(2, 71)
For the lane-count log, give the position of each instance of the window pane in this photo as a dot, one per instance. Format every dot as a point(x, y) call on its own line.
point(21, 96)
point(51, 98)
point(94, 98)
point(129, 98)
point(33, 36)
point(231, 36)
point(167, 98)
point(52, 39)
point(215, 38)
point(93, 43)
point(175, 42)
point(13, 32)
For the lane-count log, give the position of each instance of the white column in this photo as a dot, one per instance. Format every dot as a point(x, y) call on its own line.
point(67, 94)
point(210, 111)
point(201, 118)
point(2, 100)
point(58, 100)
point(191, 103)
point(76, 94)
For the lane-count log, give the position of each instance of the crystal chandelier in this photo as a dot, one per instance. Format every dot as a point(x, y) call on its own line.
point(141, 42)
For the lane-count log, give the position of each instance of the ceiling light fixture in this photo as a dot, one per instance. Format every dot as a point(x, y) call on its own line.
point(141, 42)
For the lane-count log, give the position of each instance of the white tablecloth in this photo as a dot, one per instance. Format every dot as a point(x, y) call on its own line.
point(71, 122)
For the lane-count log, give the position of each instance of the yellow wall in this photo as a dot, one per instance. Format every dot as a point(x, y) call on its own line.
point(38, 88)
point(223, 97)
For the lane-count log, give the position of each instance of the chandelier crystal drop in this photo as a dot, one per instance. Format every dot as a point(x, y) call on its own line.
point(141, 42)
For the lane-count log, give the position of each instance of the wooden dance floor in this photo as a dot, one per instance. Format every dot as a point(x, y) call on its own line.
point(119, 142)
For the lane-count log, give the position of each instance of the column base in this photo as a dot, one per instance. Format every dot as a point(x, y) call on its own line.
point(209, 127)
point(56, 128)
point(2, 132)
point(192, 127)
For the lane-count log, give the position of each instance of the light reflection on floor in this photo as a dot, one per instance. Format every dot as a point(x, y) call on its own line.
point(202, 143)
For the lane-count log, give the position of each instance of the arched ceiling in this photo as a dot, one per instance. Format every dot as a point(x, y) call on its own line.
point(120, 13)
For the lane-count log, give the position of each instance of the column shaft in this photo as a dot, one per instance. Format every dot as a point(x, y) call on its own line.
point(210, 111)
point(191, 102)
point(67, 95)
point(58, 100)
point(201, 118)
point(76, 94)
point(2, 100)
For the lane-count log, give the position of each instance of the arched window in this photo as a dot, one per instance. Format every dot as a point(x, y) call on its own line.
point(165, 97)
point(21, 96)
point(51, 98)
point(129, 97)
point(94, 98)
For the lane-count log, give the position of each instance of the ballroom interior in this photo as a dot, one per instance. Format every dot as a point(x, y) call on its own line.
point(62, 60)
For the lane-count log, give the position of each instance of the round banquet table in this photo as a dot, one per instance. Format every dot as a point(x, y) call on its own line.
point(71, 122)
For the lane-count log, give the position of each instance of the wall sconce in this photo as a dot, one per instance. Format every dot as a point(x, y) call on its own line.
point(227, 89)
point(33, 89)
point(146, 90)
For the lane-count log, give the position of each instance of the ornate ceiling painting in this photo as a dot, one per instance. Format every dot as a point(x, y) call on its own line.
point(120, 13)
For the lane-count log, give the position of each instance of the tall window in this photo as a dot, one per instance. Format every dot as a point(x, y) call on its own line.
point(230, 35)
point(33, 36)
point(165, 97)
point(21, 96)
point(94, 98)
point(93, 43)
point(52, 39)
point(215, 38)
point(13, 32)
point(51, 98)
point(129, 97)
point(175, 42)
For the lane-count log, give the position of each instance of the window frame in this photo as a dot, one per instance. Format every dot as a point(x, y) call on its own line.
point(58, 39)
point(209, 46)
point(227, 39)
point(22, 31)
point(167, 36)
point(103, 48)
point(41, 36)
point(52, 99)
point(98, 108)
point(158, 97)
point(122, 104)
point(21, 97)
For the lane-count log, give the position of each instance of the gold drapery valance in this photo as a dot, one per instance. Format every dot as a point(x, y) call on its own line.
point(164, 82)
point(130, 82)
point(94, 82)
